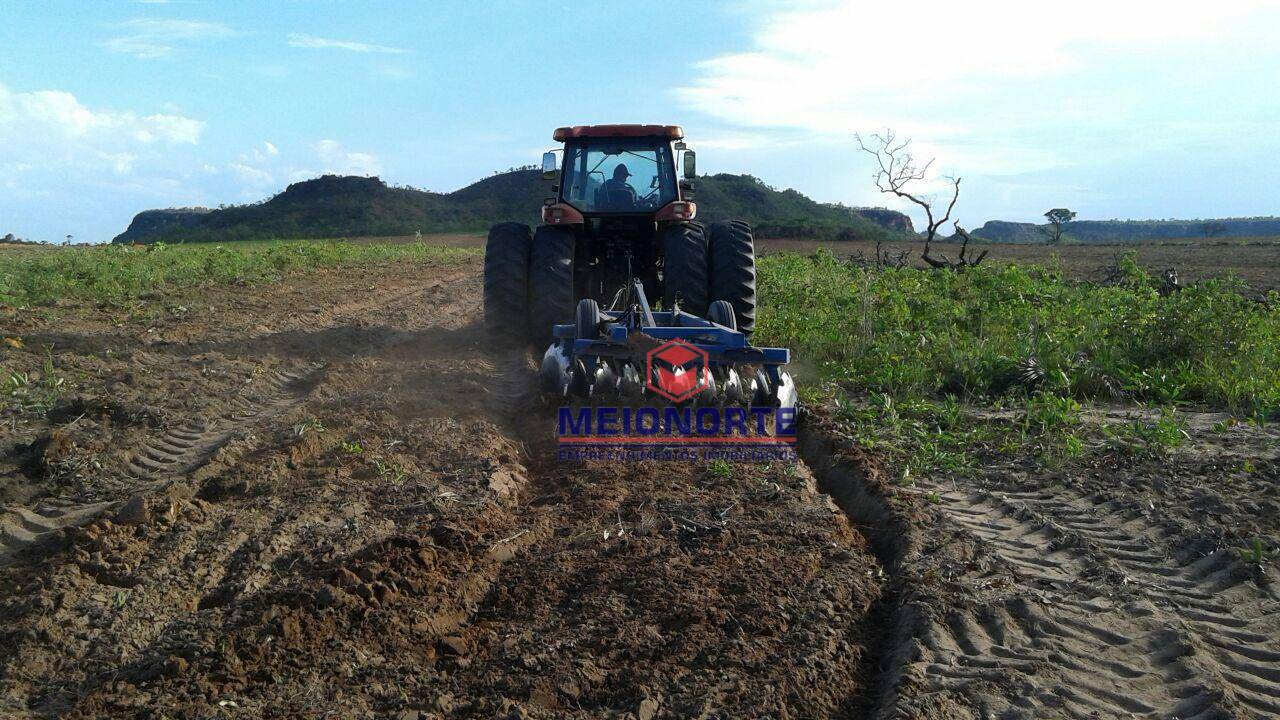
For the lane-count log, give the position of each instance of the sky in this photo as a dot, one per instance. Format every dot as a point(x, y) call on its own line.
point(1114, 109)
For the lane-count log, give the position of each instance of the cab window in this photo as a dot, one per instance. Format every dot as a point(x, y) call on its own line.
point(618, 175)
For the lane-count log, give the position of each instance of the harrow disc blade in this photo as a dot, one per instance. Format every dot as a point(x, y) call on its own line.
point(580, 380)
point(605, 383)
point(732, 389)
point(630, 386)
point(761, 390)
point(709, 392)
point(554, 374)
point(785, 394)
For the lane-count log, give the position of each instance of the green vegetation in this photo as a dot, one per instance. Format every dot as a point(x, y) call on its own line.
point(1011, 329)
point(1258, 554)
point(116, 274)
point(331, 207)
point(34, 393)
point(898, 350)
point(309, 425)
point(720, 468)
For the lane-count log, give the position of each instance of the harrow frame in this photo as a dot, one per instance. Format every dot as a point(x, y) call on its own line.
point(575, 365)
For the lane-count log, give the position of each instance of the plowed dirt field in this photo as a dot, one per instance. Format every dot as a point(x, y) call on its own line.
point(327, 497)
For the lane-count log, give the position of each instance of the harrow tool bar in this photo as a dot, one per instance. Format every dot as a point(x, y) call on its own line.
point(603, 356)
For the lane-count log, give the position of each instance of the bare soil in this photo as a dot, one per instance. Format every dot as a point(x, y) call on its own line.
point(1113, 588)
point(314, 498)
point(325, 496)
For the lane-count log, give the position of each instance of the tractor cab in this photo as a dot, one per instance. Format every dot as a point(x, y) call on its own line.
point(618, 171)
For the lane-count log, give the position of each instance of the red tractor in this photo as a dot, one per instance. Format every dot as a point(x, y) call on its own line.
point(620, 218)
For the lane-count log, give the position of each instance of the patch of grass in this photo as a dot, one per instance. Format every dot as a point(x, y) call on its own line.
point(1007, 329)
point(720, 468)
point(395, 472)
point(34, 392)
point(1155, 437)
point(1257, 554)
point(916, 433)
point(115, 274)
point(309, 425)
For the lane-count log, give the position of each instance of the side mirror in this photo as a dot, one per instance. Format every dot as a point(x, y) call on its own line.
point(549, 166)
point(690, 165)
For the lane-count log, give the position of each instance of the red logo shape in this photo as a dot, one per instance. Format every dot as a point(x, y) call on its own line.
point(676, 370)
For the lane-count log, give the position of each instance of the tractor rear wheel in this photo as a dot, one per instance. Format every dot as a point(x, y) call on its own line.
point(733, 270)
point(551, 296)
point(684, 269)
point(506, 283)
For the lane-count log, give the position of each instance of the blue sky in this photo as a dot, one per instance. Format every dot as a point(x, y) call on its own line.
point(1111, 109)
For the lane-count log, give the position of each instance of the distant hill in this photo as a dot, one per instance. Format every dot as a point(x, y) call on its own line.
point(1118, 231)
point(348, 206)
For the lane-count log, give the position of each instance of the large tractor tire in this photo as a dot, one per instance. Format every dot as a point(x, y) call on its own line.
point(551, 296)
point(506, 284)
point(733, 270)
point(684, 269)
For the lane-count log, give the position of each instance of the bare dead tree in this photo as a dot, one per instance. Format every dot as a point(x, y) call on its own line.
point(964, 260)
point(890, 257)
point(897, 173)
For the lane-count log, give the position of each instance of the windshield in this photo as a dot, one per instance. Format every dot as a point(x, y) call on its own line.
point(618, 175)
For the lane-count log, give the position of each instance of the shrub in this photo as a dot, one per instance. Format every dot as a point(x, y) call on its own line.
point(1009, 329)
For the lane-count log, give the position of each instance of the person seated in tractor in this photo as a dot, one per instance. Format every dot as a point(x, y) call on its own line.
point(617, 192)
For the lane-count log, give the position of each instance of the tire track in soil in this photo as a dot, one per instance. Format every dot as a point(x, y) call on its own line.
point(186, 447)
point(21, 527)
point(1107, 622)
point(178, 451)
point(1103, 619)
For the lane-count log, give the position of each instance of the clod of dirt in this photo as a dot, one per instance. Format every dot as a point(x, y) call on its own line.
point(454, 645)
point(133, 512)
point(648, 708)
point(346, 579)
point(327, 596)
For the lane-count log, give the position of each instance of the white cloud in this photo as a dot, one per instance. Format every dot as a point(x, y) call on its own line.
point(839, 67)
point(337, 161)
point(70, 167)
point(303, 40)
point(255, 179)
point(994, 90)
point(44, 119)
point(154, 38)
point(265, 169)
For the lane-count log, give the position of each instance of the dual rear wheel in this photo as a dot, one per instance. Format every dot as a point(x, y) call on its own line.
point(529, 278)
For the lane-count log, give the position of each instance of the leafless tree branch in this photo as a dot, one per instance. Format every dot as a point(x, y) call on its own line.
point(896, 171)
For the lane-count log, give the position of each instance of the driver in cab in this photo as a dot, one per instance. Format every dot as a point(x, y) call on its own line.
point(618, 193)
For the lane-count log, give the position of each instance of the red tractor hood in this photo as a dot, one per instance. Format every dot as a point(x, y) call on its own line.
point(670, 132)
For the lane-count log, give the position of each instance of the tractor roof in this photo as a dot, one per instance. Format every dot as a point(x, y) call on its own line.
point(670, 132)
